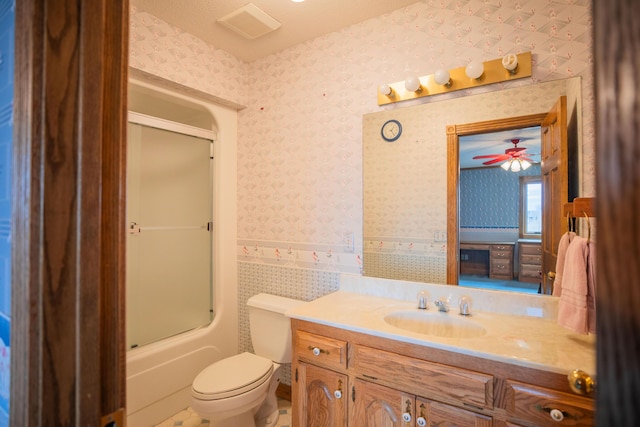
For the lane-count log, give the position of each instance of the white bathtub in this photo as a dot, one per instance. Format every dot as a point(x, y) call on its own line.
point(159, 375)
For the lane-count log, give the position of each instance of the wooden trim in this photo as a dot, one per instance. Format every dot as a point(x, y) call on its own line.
point(617, 65)
point(68, 257)
point(454, 132)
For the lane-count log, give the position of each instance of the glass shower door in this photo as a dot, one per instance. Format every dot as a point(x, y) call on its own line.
point(169, 239)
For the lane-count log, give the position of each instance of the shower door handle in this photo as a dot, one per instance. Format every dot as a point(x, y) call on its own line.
point(134, 228)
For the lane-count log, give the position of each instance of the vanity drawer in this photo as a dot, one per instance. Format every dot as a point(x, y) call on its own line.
point(530, 272)
point(501, 255)
point(501, 268)
point(428, 379)
point(531, 259)
point(322, 350)
point(502, 248)
point(530, 249)
point(540, 405)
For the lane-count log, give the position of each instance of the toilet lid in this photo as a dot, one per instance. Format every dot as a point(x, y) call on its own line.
point(232, 376)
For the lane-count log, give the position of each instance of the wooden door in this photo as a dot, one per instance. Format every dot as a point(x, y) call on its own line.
point(441, 415)
point(555, 187)
point(617, 67)
point(378, 406)
point(68, 254)
point(320, 397)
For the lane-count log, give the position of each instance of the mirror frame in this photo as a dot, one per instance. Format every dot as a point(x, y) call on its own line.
point(454, 132)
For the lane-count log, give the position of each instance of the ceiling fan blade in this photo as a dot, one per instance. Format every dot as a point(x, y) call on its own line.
point(488, 156)
point(498, 160)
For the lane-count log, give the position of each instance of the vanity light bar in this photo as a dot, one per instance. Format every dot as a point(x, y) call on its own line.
point(495, 71)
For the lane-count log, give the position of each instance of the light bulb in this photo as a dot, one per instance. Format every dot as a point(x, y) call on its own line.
point(442, 77)
point(515, 166)
point(525, 164)
point(385, 90)
point(474, 70)
point(510, 63)
point(412, 84)
point(506, 165)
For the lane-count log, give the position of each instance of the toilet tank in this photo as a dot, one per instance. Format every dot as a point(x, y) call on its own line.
point(270, 328)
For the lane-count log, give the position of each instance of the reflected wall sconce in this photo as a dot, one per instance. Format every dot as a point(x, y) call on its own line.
point(476, 73)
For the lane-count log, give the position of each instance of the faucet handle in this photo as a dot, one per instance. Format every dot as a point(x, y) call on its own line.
point(465, 305)
point(423, 297)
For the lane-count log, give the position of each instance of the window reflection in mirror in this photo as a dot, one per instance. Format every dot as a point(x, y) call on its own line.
point(530, 207)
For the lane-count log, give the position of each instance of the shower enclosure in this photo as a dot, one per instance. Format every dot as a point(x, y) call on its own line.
point(169, 234)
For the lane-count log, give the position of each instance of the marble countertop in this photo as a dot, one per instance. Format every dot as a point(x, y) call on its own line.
point(522, 340)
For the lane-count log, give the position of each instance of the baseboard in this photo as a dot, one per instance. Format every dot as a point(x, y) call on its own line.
point(284, 391)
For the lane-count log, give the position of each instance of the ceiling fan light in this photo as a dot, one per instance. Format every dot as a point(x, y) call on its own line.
point(515, 166)
point(525, 164)
point(506, 165)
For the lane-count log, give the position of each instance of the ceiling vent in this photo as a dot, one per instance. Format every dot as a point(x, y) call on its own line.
point(249, 21)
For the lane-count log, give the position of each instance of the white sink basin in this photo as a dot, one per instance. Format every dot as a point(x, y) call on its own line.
point(439, 324)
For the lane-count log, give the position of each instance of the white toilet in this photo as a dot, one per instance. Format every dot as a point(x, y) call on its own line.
point(240, 391)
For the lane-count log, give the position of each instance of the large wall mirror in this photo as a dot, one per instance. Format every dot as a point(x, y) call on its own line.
point(410, 231)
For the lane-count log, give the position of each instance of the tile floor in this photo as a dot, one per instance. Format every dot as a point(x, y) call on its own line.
point(187, 418)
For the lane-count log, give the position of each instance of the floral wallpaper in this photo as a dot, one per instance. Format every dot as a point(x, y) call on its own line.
point(300, 111)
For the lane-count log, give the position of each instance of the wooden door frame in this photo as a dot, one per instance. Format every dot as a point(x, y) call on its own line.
point(67, 337)
point(617, 65)
point(454, 132)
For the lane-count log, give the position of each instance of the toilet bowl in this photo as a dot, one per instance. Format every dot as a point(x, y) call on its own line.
point(231, 391)
point(240, 391)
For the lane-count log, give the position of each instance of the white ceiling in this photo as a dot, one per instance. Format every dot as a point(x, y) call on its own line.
point(300, 21)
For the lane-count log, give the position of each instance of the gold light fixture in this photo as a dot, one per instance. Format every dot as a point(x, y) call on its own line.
point(510, 67)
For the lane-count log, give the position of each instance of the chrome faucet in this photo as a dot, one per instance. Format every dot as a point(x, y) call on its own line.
point(442, 304)
point(423, 297)
point(465, 306)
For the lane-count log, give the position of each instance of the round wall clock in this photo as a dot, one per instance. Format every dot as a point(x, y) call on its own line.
point(391, 130)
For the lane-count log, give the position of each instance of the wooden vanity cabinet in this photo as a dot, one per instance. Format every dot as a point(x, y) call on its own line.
point(530, 262)
point(383, 382)
point(501, 261)
point(321, 397)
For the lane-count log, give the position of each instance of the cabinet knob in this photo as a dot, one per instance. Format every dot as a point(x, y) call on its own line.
point(406, 417)
point(421, 421)
point(580, 382)
point(338, 394)
point(551, 275)
point(317, 351)
point(556, 415)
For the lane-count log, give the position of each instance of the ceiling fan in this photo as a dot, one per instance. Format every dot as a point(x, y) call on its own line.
point(515, 158)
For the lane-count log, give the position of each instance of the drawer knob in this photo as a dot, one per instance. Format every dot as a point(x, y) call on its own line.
point(556, 415)
point(317, 351)
point(338, 394)
point(580, 382)
point(406, 417)
point(421, 421)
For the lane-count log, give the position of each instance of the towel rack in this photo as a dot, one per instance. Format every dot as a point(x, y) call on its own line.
point(580, 207)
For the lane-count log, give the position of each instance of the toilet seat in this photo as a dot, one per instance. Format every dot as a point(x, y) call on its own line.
point(231, 377)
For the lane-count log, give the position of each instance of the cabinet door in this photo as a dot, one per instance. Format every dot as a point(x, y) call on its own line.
point(441, 415)
point(379, 406)
point(320, 395)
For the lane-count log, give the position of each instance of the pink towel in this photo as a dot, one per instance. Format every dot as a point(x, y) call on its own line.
point(565, 240)
point(576, 310)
